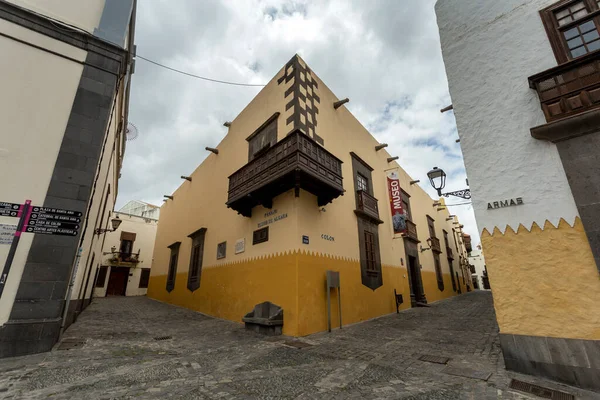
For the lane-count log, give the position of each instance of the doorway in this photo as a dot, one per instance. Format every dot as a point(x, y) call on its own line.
point(416, 286)
point(117, 281)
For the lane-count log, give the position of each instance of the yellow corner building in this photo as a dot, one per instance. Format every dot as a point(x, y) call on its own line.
point(296, 188)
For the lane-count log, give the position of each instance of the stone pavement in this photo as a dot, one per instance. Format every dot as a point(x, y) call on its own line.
point(207, 358)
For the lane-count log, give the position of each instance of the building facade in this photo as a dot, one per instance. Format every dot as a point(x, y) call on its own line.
point(141, 209)
point(296, 188)
point(127, 254)
point(478, 270)
point(65, 87)
point(524, 78)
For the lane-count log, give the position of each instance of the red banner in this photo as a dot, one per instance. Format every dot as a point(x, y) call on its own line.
point(398, 216)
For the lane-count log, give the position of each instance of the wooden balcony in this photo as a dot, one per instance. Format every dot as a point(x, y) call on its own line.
point(119, 258)
point(367, 206)
point(435, 245)
point(449, 253)
point(569, 89)
point(411, 232)
point(295, 162)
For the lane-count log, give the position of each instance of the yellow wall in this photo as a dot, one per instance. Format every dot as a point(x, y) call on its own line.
point(545, 281)
point(230, 287)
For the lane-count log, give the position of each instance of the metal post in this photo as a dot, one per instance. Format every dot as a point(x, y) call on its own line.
point(340, 304)
point(14, 244)
point(328, 309)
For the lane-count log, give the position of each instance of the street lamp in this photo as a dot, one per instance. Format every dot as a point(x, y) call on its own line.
point(437, 178)
point(115, 222)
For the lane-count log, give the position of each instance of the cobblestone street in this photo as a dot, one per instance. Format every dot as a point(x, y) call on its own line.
point(207, 358)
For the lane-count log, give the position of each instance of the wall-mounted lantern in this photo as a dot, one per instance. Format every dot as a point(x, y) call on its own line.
point(437, 178)
point(115, 222)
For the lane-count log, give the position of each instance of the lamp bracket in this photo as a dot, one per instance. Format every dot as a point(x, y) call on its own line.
point(465, 194)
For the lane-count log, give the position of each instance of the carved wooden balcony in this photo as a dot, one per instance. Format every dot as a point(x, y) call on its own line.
point(411, 232)
point(435, 245)
point(367, 206)
point(449, 253)
point(569, 89)
point(121, 258)
point(296, 161)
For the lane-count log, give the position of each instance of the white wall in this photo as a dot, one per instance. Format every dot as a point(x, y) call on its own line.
point(84, 14)
point(145, 230)
point(490, 48)
point(36, 96)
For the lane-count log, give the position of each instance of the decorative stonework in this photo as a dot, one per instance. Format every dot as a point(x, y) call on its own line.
point(303, 96)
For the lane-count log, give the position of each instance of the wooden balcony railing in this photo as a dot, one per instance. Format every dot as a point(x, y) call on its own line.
point(367, 206)
point(435, 245)
point(411, 231)
point(296, 161)
point(117, 257)
point(449, 252)
point(570, 88)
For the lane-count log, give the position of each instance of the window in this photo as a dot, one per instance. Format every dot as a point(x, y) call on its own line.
point(438, 271)
point(173, 266)
point(573, 28)
point(263, 138)
point(446, 239)
point(362, 183)
point(370, 254)
point(431, 226)
point(260, 236)
point(144, 278)
point(455, 239)
point(406, 205)
point(221, 250)
point(196, 257)
point(101, 279)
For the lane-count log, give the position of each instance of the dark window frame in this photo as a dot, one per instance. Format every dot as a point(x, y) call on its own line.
point(555, 33)
point(431, 226)
point(260, 235)
point(172, 271)
point(196, 259)
point(144, 280)
point(446, 242)
point(406, 205)
point(102, 274)
point(438, 271)
point(370, 256)
point(266, 133)
point(221, 250)
point(362, 182)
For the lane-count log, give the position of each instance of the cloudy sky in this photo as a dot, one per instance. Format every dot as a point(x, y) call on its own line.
point(382, 54)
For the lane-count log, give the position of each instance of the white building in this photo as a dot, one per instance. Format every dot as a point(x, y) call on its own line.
point(478, 269)
point(524, 77)
point(64, 97)
point(127, 254)
point(141, 208)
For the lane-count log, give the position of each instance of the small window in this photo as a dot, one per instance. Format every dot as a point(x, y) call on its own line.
point(221, 250)
point(260, 236)
point(196, 257)
point(406, 205)
point(362, 183)
point(101, 280)
point(572, 28)
point(446, 239)
point(438, 271)
point(370, 253)
point(263, 138)
point(144, 278)
point(173, 259)
point(430, 224)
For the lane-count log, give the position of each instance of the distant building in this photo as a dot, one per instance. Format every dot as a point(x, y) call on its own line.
point(127, 253)
point(524, 77)
point(65, 80)
point(478, 270)
point(299, 187)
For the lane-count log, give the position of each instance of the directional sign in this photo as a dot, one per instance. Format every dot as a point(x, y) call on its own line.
point(58, 211)
point(54, 224)
point(9, 209)
point(51, 230)
point(54, 217)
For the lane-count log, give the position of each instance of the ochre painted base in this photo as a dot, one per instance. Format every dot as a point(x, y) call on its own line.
point(296, 282)
point(545, 281)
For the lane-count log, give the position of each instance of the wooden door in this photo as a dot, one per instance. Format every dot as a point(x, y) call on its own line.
point(117, 281)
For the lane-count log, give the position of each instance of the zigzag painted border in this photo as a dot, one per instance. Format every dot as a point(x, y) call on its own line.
point(529, 227)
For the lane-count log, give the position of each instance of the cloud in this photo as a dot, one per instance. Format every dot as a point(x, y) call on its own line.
point(384, 55)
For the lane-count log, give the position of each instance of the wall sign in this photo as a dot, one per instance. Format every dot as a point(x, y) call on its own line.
point(6, 233)
point(505, 203)
point(327, 237)
point(240, 246)
point(304, 239)
point(274, 218)
point(398, 216)
point(9, 209)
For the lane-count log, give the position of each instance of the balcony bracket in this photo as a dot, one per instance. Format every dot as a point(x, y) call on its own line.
point(371, 218)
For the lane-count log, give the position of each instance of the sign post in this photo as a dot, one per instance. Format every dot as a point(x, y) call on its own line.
point(23, 210)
